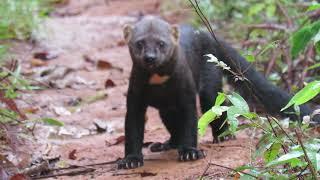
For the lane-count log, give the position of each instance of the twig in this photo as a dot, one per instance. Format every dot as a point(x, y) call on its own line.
point(298, 176)
point(213, 164)
point(205, 171)
point(285, 13)
point(285, 132)
point(256, 42)
point(206, 22)
point(286, 56)
point(268, 26)
point(306, 157)
point(271, 62)
point(88, 165)
point(72, 173)
point(142, 174)
point(275, 134)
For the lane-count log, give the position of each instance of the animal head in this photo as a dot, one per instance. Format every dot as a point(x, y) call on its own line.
point(152, 42)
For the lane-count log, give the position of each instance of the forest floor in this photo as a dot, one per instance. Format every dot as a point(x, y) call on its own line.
point(89, 67)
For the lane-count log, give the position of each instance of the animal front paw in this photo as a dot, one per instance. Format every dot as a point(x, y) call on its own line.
point(130, 162)
point(190, 154)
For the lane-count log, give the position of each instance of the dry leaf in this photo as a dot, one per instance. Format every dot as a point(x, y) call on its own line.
point(30, 110)
point(146, 174)
point(109, 83)
point(72, 155)
point(38, 62)
point(103, 65)
point(44, 56)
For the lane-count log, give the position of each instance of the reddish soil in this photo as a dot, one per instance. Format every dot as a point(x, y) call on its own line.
point(82, 33)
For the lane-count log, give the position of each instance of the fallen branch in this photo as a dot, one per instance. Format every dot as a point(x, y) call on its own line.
point(72, 173)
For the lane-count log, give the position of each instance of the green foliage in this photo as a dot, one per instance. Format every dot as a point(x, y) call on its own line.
point(52, 122)
point(19, 18)
point(284, 157)
point(304, 95)
point(303, 36)
point(211, 114)
point(239, 108)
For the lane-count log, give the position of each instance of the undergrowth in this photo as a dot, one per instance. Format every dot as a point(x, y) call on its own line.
point(286, 149)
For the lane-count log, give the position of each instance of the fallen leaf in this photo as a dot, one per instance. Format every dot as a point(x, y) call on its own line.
point(109, 83)
point(44, 56)
point(146, 174)
point(38, 62)
point(72, 155)
point(30, 110)
point(19, 177)
point(103, 65)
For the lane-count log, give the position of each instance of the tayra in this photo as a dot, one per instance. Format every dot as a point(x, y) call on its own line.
point(169, 69)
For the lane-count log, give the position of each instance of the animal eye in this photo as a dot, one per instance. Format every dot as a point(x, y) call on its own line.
point(162, 44)
point(139, 44)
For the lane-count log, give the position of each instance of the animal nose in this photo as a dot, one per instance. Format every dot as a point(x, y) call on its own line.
point(149, 58)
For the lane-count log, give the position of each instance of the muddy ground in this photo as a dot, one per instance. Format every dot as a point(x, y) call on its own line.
point(89, 67)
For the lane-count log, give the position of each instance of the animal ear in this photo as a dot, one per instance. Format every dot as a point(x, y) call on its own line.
point(175, 33)
point(127, 32)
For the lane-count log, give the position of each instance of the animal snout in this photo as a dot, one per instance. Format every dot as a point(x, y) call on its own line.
point(149, 59)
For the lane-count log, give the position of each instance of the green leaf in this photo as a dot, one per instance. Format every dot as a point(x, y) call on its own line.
point(304, 95)
point(272, 152)
point(313, 7)
point(232, 114)
point(286, 158)
point(250, 58)
point(256, 8)
point(218, 110)
point(52, 122)
point(271, 9)
point(313, 66)
point(212, 114)
point(239, 102)
point(220, 99)
point(316, 38)
point(302, 37)
point(205, 120)
point(315, 159)
point(11, 93)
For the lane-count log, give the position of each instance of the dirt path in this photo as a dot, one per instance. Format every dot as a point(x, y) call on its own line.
point(86, 37)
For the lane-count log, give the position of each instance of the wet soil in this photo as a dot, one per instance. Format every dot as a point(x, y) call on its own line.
point(85, 37)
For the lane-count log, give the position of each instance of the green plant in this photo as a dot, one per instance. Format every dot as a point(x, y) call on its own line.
point(18, 18)
point(288, 149)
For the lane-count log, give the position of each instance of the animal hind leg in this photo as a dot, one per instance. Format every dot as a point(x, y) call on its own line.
point(169, 120)
point(210, 85)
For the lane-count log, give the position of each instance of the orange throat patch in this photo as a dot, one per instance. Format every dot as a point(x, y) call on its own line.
point(156, 79)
